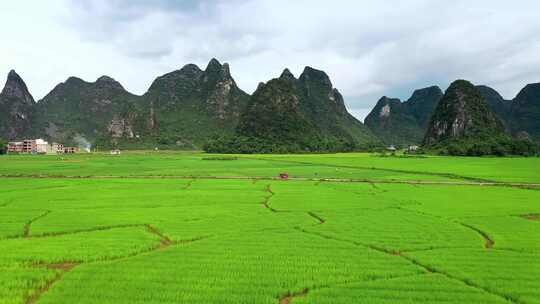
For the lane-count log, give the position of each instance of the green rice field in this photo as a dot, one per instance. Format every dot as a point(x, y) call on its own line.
point(182, 227)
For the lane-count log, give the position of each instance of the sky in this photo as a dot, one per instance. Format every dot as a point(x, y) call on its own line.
point(368, 48)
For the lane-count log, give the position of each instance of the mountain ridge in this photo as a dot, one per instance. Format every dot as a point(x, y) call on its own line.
point(403, 123)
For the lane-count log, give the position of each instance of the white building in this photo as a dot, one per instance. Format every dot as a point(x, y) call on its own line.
point(42, 146)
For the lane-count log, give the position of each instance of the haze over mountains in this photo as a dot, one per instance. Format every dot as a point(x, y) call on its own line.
point(190, 108)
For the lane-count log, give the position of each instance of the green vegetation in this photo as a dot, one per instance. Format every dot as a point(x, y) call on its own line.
point(498, 146)
point(289, 115)
point(151, 227)
point(463, 124)
point(403, 123)
point(3, 146)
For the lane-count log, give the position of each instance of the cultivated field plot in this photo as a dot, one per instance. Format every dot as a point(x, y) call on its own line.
point(196, 228)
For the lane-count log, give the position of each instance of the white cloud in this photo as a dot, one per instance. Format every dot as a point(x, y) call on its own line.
point(369, 49)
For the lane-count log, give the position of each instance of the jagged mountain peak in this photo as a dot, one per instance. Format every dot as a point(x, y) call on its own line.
point(215, 68)
point(106, 78)
point(387, 100)
point(403, 123)
point(419, 95)
point(107, 82)
point(496, 102)
point(525, 111)
point(315, 76)
point(213, 65)
point(286, 74)
point(462, 113)
point(16, 88)
point(190, 69)
point(74, 80)
point(484, 89)
point(384, 108)
point(530, 93)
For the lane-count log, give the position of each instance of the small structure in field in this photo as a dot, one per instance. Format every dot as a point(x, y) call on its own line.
point(284, 175)
point(115, 152)
point(391, 148)
point(71, 150)
point(412, 148)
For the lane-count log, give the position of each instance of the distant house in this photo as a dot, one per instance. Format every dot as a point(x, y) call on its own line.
point(15, 147)
point(115, 152)
point(71, 150)
point(39, 146)
point(391, 148)
point(412, 148)
point(57, 148)
point(29, 146)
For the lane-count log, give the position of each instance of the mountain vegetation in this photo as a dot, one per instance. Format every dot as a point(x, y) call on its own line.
point(185, 108)
point(497, 104)
point(3, 146)
point(76, 109)
point(403, 123)
point(191, 108)
point(464, 124)
point(288, 115)
point(17, 108)
point(525, 112)
point(181, 110)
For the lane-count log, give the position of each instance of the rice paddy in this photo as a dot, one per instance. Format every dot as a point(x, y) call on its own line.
point(192, 228)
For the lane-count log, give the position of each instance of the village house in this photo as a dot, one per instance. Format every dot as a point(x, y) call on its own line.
point(38, 146)
point(412, 149)
point(15, 147)
point(71, 150)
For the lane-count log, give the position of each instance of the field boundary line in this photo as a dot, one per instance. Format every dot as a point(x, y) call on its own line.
point(189, 183)
point(488, 241)
point(415, 262)
point(530, 216)
point(528, 186)
point(266, 202)
point(77, 231)
point(316, 217)
point(164, 240)
point(26, 231)
point(442, 174)
point(289, 296)
point(65, 267)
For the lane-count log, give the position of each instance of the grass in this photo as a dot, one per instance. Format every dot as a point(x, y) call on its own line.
point(187, 237)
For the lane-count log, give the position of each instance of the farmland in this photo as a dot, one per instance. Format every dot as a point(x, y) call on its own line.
point(147, 227)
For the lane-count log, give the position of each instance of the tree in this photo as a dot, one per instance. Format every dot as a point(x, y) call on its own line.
point(3, 146)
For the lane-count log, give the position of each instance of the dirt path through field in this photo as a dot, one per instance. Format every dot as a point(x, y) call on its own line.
point(318, 218)
point(64, 267)
point(425, 267)
point(26, 232)
point(530, 186)
point(266, 202)
point(287, 299)
point(531, 217)
point(448, 175)
point(488, 241)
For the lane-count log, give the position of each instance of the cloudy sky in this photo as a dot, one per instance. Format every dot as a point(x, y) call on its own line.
point(369, 48)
